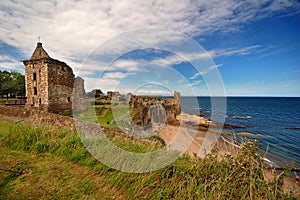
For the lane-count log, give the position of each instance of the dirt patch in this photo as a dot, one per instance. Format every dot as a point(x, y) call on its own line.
point(103, 112)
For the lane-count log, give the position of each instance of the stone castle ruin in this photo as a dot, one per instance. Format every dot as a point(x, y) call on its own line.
point(50, 84)
point(52, 87)
point(152, 109)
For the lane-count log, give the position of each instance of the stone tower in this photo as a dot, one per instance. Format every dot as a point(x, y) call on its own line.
point(177, 102)
point(49, 82)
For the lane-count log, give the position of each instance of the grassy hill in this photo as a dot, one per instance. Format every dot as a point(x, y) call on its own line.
point(55, 164)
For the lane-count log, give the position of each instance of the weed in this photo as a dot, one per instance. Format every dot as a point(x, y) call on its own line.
point(239, 177)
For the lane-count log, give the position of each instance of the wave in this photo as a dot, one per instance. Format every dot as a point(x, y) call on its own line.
point(198, 108)
point(239, 117)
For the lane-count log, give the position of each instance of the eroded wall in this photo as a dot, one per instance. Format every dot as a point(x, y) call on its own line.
point(142, 104)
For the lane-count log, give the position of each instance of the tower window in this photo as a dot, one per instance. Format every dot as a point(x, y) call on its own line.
point(34, 76)
point(69, 99)
point(35, 91)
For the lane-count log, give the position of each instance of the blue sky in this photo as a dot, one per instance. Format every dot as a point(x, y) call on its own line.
point(247, 48)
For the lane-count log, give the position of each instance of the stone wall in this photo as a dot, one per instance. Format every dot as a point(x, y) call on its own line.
point(60, 87)
point(49, 83)
point(114, 96)
point(49, 119)
point(36, 116)
point(80, 100)
point(142, 105)
point(134, 99)
point(177, 102)
point(142, 116)
point(36, 78)
point(14, 111)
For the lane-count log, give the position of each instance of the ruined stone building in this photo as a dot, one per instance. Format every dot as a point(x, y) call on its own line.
point(50, 83)
point(149, 106)
point(115, 96)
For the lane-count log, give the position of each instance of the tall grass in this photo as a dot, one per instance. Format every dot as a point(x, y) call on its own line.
point(239, 177)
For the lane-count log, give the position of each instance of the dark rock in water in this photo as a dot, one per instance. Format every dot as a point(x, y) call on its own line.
point(292, 128)
point(235, 126)
point(231, 126)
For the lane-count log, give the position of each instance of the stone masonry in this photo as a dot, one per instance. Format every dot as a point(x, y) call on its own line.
point(49, 83)
point(143, 105)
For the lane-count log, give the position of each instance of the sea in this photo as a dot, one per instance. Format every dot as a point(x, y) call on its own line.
point(277, 119)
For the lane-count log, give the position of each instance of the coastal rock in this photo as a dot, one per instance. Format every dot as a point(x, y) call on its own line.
point(292, 128)
point(247, 134)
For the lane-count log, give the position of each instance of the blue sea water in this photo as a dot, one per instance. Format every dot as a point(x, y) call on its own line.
point(272, 117)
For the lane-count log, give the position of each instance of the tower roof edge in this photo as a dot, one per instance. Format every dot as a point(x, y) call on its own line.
point(39, 52)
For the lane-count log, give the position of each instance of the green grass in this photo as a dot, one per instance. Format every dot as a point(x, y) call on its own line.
point(108, 101)
point(36, 152)
point(92, 115)
point(46, 176)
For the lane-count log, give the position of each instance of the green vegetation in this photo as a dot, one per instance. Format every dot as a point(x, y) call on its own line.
point(46, 176)
point(12, 83)
point(57, 165)
point(106, 115)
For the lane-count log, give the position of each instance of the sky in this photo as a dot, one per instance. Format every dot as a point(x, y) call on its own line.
point(203, 48)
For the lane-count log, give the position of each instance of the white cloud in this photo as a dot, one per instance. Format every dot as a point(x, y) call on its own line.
point(71, 30)
point(115, 75)
point(109, 81)
point(152, 92)
point(205, 71)
point(167, 61)
point(197, 82)
point(180, 81)
point(127, 65)
point(106, 84)
point(74, 28)
point(253, 49)
point(10, 63)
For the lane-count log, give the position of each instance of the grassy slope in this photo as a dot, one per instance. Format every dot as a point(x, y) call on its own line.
point(47, 176)
point(93, 114)
point(52, 158)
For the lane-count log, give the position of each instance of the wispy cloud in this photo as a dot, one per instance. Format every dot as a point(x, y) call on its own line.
point(152, 92)
point(71, 30)
point(194, 83)
point(201, 73)
point(254, 49)
point(74, 28)
point(115, 75)
point(10, 63)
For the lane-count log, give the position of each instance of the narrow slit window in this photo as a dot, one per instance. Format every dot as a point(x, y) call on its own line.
point(34, 76)
point(35, 91)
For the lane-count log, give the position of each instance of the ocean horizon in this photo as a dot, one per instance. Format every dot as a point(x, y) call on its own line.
point(277, 119)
